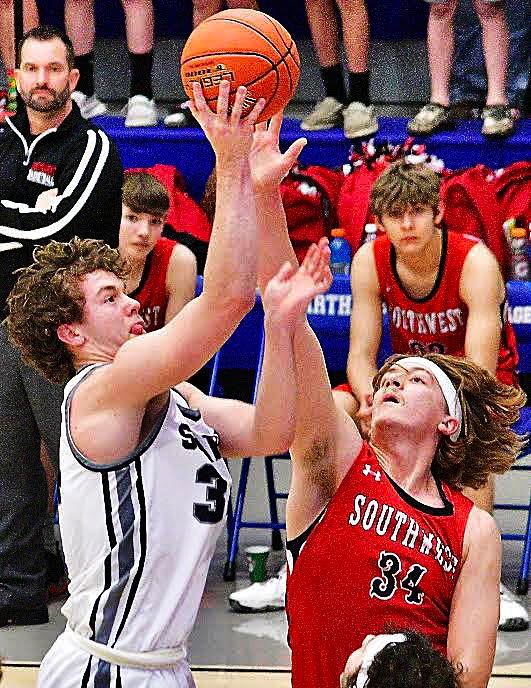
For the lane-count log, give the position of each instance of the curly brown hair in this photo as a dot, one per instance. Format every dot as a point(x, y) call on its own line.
point(486, 444)
point(411, 664)
point(48, 294)
point(405, 185)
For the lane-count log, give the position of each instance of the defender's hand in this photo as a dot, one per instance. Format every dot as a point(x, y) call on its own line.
point(268, 165)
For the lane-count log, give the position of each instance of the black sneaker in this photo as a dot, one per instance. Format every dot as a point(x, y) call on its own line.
point(180, 117)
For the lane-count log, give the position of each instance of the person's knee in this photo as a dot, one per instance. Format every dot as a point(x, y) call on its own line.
point(443, 11)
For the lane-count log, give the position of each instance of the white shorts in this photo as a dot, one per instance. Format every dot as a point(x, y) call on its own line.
point(67, 666)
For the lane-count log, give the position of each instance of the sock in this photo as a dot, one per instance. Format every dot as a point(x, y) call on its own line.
point(85, 64)
point(333, 82)
point(358, 87)
point(141, 67)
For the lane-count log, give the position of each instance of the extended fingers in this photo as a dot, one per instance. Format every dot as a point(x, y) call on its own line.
point(255, 113)
point(223, 98)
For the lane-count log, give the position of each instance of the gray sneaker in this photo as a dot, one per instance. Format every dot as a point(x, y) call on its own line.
point(89, 106)
point(431, 118)
point(359, 120)
point(498, 120)
point(327, 114)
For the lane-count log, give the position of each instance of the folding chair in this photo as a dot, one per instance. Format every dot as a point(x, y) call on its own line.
point(522, 427)
point(519, 298)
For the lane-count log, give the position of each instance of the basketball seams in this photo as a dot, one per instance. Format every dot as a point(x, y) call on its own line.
point(248, 26)
point(231, 52)
point(274, 24)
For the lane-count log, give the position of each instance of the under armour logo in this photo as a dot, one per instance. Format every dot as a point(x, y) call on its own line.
point(367, 471)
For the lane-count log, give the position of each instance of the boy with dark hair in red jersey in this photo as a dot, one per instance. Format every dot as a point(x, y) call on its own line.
point(444, 293)
point(381, 534)
point(163, 272)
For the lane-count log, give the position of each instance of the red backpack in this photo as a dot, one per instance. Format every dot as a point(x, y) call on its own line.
point(353, 208)
point(184, 214)
point(309, 196)
point(513, 191)
point(471, 207)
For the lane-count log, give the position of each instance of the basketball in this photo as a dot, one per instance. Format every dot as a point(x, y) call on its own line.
point(247, 48)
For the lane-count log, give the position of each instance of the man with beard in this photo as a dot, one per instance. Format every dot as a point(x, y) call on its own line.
point(60, 176)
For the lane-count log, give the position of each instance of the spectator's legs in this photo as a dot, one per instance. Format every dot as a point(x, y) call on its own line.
point(79, 24)
point(139, 25)
point(355, 22)
point(498, 118)
point(23, 498)
point(139, 28)
point(359, 119)
point(7, 41)
point(436, 114)
point(324, 28)
point(441, 49)
point(495, 38)
point(325, 31)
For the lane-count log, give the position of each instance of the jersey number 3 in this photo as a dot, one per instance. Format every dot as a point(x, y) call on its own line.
point(384, 588)
point(216, 490)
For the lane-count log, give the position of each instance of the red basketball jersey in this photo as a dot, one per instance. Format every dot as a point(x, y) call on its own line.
point(376, 557)
point(151, 292)
point(437, 322)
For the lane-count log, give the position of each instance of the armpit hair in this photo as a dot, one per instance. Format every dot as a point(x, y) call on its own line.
point(319, 467)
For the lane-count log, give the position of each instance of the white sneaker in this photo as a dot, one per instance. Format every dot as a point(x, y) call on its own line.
point(90, 106)
point(513, 615)
point(268, 596)
point(141, 112)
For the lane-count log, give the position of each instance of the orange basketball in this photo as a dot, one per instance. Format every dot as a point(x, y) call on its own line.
point(247, 48)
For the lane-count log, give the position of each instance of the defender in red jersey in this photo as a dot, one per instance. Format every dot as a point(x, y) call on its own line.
point(382, 532)
point(444, 293)
point(163, 272)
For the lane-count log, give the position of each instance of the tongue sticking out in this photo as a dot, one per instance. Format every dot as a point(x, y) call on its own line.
point(137, 329)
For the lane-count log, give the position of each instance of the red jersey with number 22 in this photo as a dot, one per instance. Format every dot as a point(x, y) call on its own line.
point(376, 557)
point(437, 322)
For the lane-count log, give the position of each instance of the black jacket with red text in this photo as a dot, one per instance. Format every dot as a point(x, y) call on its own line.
point(76, 158)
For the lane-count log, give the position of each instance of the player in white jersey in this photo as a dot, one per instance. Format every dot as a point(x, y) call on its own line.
point(143, 492)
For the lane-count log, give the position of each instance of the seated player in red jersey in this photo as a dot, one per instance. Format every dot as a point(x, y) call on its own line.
point(163, 272)
point(444, 293)
point(381, 534)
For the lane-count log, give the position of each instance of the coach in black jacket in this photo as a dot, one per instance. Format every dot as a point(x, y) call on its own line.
point(60, 176)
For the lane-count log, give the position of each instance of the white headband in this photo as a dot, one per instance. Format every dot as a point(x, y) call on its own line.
point(372, 648)
point(446, 385)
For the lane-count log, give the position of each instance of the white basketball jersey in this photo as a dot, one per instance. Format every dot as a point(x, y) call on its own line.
point(139, 534)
